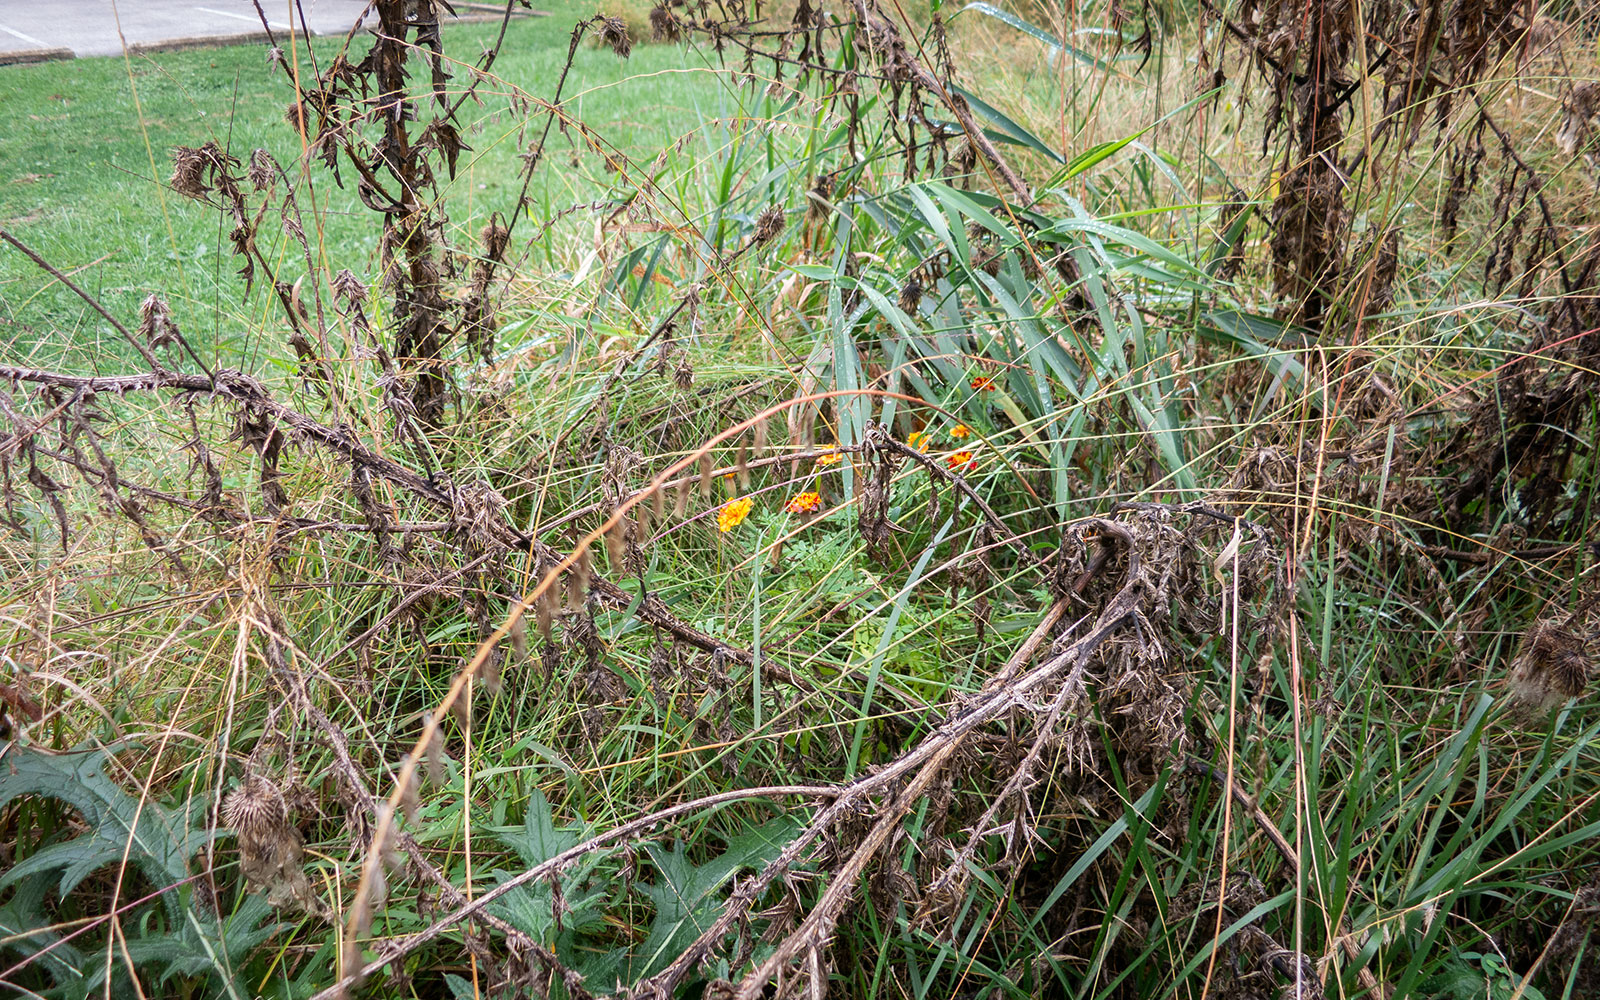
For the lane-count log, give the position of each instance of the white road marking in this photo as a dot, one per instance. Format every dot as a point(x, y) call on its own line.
point(26, 38)
point(241, 17)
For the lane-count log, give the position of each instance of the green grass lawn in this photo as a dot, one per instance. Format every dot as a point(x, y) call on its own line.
point(83, 170)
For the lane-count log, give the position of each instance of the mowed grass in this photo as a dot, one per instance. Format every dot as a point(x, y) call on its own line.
point(84, 166)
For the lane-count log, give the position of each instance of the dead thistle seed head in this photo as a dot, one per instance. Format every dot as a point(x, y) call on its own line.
point(665, 26)
point(495, 236)
point(910, 295)
point(255, 808)
point(614, 32)
point(1581, 106)
point(684, 375)
point(188, 172)
point(1551, 666)
point(155, 323)
point(349, 289)
point(261, 172)
point(769, 224)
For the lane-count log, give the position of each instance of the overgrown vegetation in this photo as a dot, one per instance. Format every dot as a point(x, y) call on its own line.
point(1113, 518)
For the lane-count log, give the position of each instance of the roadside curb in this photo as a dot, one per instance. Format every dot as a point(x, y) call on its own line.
point(195, 42)
point(24, 57)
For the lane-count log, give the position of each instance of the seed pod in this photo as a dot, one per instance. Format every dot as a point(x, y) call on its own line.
point(616, 543)
point(705, 474)
point(489, 673)
point(434, 757)
point(410, 797)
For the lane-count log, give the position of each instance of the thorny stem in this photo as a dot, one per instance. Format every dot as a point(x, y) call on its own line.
point(44, 265)
point(545, 869)
point(961, 485)
point(238, 387)
point(929, 754)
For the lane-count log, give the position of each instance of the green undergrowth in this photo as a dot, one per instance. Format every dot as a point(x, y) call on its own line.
point(202, 700)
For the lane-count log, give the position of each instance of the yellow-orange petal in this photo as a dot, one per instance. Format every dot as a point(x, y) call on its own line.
point(732, 513)
point(804, 503)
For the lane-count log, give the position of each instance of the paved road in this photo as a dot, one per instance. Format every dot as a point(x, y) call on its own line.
point(39, 29)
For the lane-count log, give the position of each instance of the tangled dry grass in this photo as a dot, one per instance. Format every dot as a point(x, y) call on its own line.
point(905, 573)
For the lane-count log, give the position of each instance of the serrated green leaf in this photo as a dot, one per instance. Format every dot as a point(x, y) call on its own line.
point(686, 896)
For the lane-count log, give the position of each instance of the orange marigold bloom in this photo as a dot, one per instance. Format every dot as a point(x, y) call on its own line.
point(960, 431)
point(831, 458)
point(961, 461)
point(983, 383)
point(804, 503)
point(733, 512)
point(918, 440)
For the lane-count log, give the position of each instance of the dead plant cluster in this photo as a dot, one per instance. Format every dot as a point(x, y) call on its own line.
point(1077, 801)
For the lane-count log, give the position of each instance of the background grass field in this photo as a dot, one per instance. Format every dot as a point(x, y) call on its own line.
point(1346, 744)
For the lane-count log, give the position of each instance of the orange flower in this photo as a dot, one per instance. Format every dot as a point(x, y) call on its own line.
point(960, 431)
point(804, 503)
point(733, 512)
point(918, 440)
point(831, 458)
point(983, 383)
point(961, 461)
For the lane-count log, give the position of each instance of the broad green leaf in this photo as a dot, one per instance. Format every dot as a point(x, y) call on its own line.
point(687, 896)
point(1006, 17)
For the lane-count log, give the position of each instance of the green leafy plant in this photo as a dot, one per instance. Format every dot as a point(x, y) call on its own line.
point(175, 936)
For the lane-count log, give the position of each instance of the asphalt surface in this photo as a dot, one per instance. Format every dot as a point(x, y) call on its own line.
point(33, 30)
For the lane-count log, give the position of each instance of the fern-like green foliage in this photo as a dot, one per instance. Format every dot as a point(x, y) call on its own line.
point(160, 840)
point(531, 908)
point(685, 896)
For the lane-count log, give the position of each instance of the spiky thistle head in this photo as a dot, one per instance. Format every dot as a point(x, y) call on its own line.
point(769, 224)
point(1551, 666)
